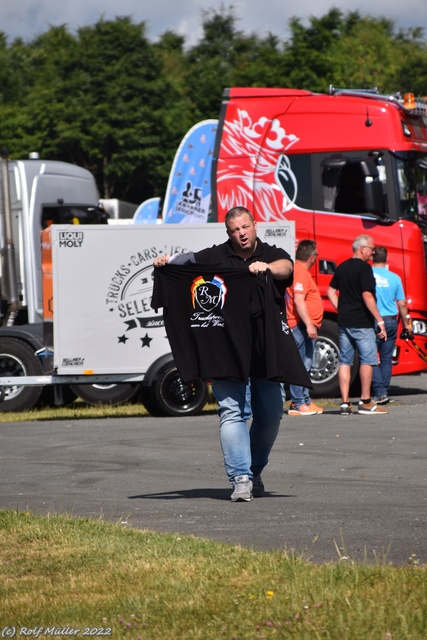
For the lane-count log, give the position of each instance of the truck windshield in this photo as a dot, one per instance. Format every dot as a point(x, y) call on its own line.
point(411, 170)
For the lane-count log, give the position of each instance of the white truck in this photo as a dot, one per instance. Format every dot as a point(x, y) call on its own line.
point(34, 193)
point(97, 337)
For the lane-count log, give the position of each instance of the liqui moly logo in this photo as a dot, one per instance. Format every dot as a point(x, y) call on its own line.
point(70, 239)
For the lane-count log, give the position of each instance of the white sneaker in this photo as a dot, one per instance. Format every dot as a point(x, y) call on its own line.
point(242, 489)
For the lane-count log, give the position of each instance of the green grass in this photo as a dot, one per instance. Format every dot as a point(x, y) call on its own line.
point(57, 571)
point(76, 410)
point(79, 409)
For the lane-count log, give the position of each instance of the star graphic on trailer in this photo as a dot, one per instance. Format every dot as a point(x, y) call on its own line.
point(123, 339)
point(146, 341)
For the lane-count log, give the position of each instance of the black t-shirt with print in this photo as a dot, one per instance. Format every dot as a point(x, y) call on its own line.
point(207, 314)
point(226, 323)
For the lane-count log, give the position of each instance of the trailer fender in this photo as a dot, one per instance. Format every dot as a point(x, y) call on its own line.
point(154, 369)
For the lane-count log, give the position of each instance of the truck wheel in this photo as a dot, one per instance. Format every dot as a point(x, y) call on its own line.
point(170, 396)
point(112, 394)
point(324, 374)
point(17, 359)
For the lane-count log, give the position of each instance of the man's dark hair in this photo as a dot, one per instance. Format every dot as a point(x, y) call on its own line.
point(305, 249)
point(380, 255)
point(235, 212)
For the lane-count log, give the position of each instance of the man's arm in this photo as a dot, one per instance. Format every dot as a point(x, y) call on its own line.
point(333, 297)
point(301, 307)
point(280, 269)
point(403, 310)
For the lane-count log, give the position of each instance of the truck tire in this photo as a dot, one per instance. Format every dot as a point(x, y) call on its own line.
point(324, 373)
point(17, 359)
point(170, 396)
point(111, 394)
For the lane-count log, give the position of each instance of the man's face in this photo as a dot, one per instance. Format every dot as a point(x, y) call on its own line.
point(368, 250)
point(242, 233)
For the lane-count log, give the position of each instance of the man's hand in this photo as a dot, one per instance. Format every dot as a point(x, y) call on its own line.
point(311, 331)
point(406, 335)
point(160, 261)
point(258, 267)
point(382, 333)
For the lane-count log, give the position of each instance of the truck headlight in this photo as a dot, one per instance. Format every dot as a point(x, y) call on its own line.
point(419, 327)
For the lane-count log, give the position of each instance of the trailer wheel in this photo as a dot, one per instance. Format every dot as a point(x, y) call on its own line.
point(17, 359)
point(146, 397)
point(324, 374)
point(112, 394)
point(170, 396)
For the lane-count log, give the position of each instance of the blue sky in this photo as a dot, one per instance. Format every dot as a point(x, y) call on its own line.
point(29, 18)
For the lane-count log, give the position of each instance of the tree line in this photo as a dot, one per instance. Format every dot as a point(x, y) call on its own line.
point(109, 99)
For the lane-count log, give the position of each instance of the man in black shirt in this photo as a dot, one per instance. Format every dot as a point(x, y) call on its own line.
point(246, 451)
point(357, 313)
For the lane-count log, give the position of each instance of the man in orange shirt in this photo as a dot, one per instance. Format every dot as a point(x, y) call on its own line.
point(304, 307)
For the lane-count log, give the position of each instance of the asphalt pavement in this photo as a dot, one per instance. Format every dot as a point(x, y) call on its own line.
point(336, 486)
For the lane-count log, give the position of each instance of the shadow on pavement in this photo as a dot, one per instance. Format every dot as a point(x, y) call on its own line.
point(211, 494)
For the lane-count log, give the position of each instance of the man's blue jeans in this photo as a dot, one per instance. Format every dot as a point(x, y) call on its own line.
point(381, 374)
point(246, 451)
point(301, 395)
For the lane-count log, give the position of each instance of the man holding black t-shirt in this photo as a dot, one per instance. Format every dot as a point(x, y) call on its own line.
point(245, 451)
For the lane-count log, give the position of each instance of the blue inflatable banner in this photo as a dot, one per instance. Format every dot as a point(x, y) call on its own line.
point(147, 212)
point(188, 194)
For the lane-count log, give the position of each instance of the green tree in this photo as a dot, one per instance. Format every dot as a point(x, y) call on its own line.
point(258, 62)
point(46, 100)
point(15, 85)
point(345, 50)
point(411, 75)
point(110, 100)
point(226, 57)
point(101, 100)
point(180, 115)
point(211, 63)
point(367, 56)
point(124, 104)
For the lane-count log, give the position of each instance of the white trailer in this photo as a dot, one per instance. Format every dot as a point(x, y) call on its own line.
point(99, 327)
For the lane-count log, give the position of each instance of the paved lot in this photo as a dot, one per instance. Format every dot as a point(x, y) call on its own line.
point(357, 484)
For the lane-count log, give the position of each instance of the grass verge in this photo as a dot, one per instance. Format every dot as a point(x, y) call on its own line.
point(79, 409)
point(76, 410)
point(62, 574)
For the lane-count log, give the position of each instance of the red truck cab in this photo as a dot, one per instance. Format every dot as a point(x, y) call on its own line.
point(338, 164)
